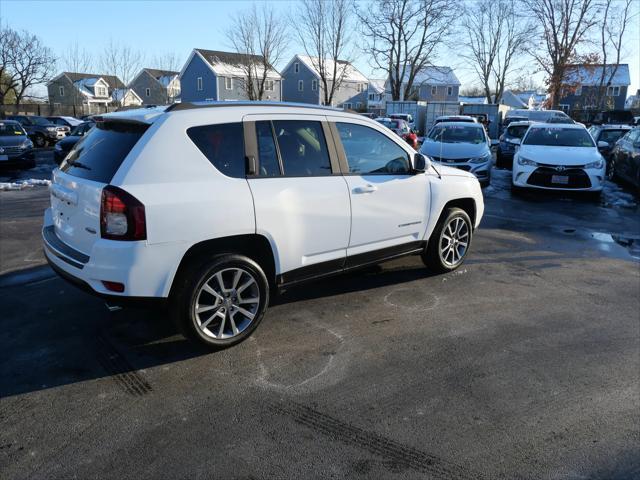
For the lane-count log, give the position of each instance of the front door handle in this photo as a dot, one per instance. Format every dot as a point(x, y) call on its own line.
point(365, 189)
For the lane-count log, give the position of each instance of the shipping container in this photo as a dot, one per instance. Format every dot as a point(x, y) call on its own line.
point(438, 109)
point(492, 113)
point(415, 109)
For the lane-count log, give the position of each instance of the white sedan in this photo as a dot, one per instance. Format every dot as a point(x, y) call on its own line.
point(558, 157)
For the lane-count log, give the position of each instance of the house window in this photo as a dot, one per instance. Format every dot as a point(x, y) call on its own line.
point(359, 88)
point(62, 91)
point(449, 91)
point(147, 92)
point(434, 89)
point(101, 92)
point(314, 85)
point(346, 106)
point(228, 83)
point(300, 85)
point(372, 97)
point(268, 85)
point(564, 107)
point(613, 91)
point(578, 91)
point(199, 84)
point(296, 67)
point(358, 105)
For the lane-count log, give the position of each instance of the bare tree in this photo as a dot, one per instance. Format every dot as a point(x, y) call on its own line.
point(26, 62)
point(77, 60)
point(170, 62)
point(497, 34)
point(613, 25)
point(564, 25)
point(260, 36)
point(324, 28)
point(121, 61)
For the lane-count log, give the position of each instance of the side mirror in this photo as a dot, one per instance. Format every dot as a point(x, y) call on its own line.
point(420, 163)
point(602, 144)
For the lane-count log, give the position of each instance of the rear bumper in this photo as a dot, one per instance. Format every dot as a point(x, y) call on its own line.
point(146, 271)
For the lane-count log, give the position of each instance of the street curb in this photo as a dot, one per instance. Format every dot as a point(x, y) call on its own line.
point(26, 276)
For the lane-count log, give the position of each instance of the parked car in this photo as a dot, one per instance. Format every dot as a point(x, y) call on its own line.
point(16, 149)
point(407, 117)
point(559, 157)
point(618, 117)
point(547, 116)
point(463, 145)
point(40, 130)
point(65, 145)
point(400, 128)
point(455, 118)
point(310, 192)
point(606, 137)
point(625, 158)
point(508, 142)
point(68, 122)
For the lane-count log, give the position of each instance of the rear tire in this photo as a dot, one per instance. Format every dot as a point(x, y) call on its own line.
point(449, 242)
point(219, 301)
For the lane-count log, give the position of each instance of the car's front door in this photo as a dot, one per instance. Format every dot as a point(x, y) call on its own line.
point(625, 154)
point(301, 200)
point(389, 202)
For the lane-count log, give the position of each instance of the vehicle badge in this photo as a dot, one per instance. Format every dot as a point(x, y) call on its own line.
point(560, 168)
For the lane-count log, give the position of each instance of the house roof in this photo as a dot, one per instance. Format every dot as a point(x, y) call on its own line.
point(231, 64)
point(589, 75)
point(119, 94)
point(345, 69)
point(513, 100)
point(434, 75)
point(377, 85)
point(112, 80)
point(165, 77)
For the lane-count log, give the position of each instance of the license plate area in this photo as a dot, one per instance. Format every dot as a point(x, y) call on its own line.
point(560, 179)
point(4, 158)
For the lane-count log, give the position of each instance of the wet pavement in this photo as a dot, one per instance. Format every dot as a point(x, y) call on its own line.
point(522, 364)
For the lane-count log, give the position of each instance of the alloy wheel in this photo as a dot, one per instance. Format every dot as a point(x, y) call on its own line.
point(454, 241)
point(226, 303)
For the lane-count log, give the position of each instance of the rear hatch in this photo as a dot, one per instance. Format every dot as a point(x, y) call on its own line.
point(76, 188)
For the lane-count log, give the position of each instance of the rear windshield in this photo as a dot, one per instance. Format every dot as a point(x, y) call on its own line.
point(517, 131)
point(99, 154)
point(611, 136)
point(559, 137)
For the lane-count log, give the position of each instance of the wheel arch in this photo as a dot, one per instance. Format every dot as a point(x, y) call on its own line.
point(467, 204)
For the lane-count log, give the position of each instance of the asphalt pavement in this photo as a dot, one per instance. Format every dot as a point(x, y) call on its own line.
point(524, 363)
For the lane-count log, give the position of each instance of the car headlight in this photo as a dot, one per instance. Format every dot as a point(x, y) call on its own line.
point(27, 144)
point(483, 159)
point(598, 164)
point(526, 161)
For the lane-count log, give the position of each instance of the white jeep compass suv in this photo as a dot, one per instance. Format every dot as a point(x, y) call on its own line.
point(211, 206)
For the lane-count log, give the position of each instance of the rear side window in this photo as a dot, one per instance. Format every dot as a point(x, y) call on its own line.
point(99, 154)
point(223, 145)
point(303, 149)
point(267, 153)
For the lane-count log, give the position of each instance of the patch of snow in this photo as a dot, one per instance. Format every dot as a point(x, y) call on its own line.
point(22, 184)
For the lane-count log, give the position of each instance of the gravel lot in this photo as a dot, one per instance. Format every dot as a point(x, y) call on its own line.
point(522, 364)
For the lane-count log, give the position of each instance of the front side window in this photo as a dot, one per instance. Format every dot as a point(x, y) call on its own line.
point(558, 137)
point(370, 152)
point(303, 149)
point(223, 145)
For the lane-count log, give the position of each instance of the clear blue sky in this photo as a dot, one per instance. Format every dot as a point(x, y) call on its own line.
point(156, 27)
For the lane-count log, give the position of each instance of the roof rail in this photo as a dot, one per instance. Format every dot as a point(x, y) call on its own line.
point(176, 107)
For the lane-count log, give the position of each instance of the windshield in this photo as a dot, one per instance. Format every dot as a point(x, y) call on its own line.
point(456, 134)
point(517, 131)
point(611, 136)
point(558, 137)
point(10, 130)
point(40, 121)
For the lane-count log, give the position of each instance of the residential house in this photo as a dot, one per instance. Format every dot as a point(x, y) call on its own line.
point(376, 96)
point(210, 75)
point(126, 97)
point(582, 82)
point(157, 87)
point(302, 83)
point(433, 84)
point(633, 102)
point(513, 100)
point(83, 89)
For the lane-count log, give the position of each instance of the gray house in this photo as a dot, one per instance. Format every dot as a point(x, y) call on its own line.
point(376, 96)
point(83, 89)
point(157, 87)
point(301, 83)
point(433, 83)
point(581, 86)
point(210, 75)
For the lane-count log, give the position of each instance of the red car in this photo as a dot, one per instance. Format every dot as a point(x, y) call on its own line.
point(400, 128)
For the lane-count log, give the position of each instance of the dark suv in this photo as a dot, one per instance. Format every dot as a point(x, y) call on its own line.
point(39, 129)
point(16, 150)
point(511, 137)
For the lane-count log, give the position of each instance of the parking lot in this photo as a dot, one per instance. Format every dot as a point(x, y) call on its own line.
point(522, 364)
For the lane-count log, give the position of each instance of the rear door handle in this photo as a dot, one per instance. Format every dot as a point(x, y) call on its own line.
point(365, 189)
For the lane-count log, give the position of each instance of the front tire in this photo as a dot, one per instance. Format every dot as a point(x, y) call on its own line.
point(449, 242)
point(39, 141)
point(220, 301)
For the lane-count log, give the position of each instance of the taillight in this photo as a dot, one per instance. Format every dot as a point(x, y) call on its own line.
point(122, 215)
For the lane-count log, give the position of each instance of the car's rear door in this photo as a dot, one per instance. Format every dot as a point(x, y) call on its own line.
point(301, 200)
point(389, 202)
